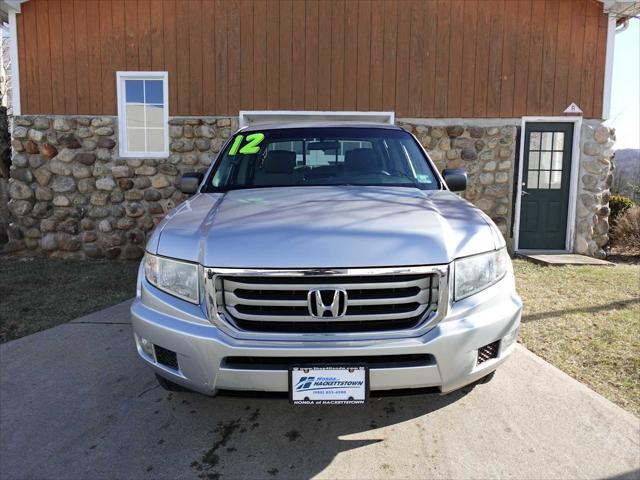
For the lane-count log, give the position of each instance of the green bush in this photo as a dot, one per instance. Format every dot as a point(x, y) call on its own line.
point(618, 205)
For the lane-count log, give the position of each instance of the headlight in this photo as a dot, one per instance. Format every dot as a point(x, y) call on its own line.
point(173, 276)
point(473, 274)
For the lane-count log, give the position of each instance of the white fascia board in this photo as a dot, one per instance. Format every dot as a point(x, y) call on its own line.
point(247, 117)
point(608, 68)
point(15, 64)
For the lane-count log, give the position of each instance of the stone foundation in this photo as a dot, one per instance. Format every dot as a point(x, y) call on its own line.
point(486, 152)
point(74, 197)
point(595, 179)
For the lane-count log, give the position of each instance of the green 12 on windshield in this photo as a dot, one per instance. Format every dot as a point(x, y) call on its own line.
point(252, 146)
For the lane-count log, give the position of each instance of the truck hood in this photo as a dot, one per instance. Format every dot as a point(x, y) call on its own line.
point(324, 227)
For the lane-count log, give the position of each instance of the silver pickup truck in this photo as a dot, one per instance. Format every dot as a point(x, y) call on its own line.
point(328, 261)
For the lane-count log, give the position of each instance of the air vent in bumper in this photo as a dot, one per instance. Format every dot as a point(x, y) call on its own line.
point(283, 363)
point(488, 352)
point(166, 357)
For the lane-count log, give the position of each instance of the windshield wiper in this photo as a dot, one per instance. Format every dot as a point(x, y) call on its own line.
point(398, 173)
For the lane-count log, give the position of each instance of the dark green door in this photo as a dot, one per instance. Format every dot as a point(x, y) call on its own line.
point(545, 186)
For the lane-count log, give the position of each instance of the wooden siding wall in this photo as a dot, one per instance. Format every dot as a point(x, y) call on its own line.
point(419, 58)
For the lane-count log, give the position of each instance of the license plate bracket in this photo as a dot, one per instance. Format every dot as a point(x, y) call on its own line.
point(328, 384)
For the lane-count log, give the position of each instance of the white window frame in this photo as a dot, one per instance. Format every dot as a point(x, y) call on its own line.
point(121, 77)
point(13, 52)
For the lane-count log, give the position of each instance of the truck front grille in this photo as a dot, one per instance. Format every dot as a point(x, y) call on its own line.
point(374, 302)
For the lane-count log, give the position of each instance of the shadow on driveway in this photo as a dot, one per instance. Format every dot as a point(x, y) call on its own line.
point(266, 437)
point(76, 402)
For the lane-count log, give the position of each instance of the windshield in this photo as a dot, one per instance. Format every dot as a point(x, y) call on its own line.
point(322, 156)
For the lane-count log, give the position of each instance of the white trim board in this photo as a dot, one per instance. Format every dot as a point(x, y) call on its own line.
point(573, 180)
point(248, 117)
point(15, 66)
point(608, 68)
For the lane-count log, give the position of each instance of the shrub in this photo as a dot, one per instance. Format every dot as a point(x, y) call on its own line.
point(625, 234)
point(618, 205)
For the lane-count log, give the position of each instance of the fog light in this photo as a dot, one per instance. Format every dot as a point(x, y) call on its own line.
point(147, 347)
point(509, 339)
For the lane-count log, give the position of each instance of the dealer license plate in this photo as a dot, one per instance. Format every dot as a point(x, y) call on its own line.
point(328, 385)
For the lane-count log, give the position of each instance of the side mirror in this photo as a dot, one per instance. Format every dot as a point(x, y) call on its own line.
point(455, 178)
point(189, 182)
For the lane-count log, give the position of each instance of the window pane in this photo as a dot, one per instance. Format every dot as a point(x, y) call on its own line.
point(556, 179)
point(280, 146)
point(544, 179)
point(556, 162)
point(153, 91)
point(145, 107)
point(545, 160)
point(347, 146)
point(558, 140)
point(134, 91)
point(534, 141)
point(297, 147)
point(318, 157)
point(400, 163)
point(135, 116)
point(532, 180)
point(534, 160)
point(155, 116)
point(155, 140)
point(135, 140)
point(547, 140)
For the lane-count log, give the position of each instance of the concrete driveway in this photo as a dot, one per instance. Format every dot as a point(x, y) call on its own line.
point(75, 402)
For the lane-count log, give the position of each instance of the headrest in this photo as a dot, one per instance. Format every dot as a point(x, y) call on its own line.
point(279, 161)
point(361, 159)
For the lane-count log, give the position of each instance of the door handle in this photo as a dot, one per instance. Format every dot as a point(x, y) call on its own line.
point(523, 193)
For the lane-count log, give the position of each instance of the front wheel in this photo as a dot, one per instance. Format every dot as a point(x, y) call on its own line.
point(170, 386)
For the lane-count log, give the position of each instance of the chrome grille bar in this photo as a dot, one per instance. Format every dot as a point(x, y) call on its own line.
point(305, 318)
point(231, 299)
point(370, 298)
point(273, 304)
point(233, 284)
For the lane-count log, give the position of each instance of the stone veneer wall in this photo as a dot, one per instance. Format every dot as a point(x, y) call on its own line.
point(74, 197)
point(486, 150)
point(595, 180)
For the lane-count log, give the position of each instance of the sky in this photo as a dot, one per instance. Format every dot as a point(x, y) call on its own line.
point(625, 92)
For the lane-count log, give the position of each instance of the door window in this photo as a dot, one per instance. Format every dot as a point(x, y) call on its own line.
point(546, 153)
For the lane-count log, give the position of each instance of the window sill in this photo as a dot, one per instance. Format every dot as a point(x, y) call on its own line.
point(144, 154)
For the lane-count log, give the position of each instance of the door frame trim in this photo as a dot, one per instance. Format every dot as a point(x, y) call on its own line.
point(573, 180)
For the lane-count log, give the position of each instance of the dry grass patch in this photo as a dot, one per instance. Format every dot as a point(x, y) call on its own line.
point(586, 321)
point(38, 293)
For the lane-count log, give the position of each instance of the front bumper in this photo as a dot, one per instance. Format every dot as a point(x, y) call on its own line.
point(202, 348)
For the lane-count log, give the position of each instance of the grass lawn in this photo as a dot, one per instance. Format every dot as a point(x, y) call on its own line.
point(585, 320)
point(36, 293)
